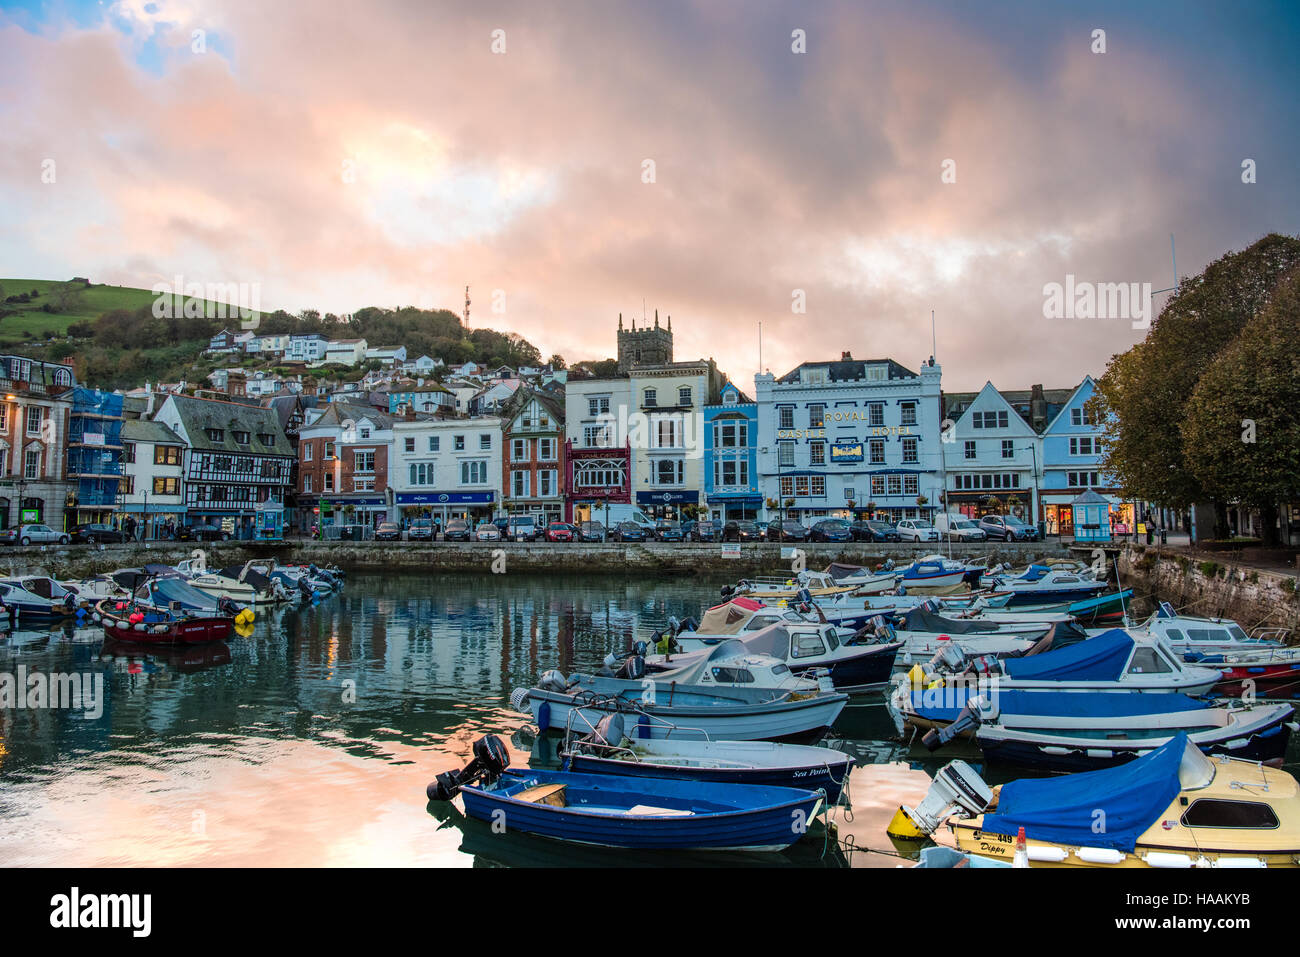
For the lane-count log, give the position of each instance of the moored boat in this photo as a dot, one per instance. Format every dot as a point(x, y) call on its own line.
point(139, 623)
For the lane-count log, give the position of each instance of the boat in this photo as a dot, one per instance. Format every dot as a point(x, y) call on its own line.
point(1041, 583)
point(1174, 807)
point(931, 573)
point(1099, 609)
point(1071, 731)
point(36, 598)
point(139, 623)
point(1188, 634)
point(1115, 661)
point(815, 583)
point(802, 647)
point(177, 594)
point(864, 580)
point(608, 750)
point(241, 583)
point(739, 712)
point(613, 810)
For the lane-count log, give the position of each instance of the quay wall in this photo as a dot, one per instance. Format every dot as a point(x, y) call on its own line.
point(669, 559)
point(1211, 584)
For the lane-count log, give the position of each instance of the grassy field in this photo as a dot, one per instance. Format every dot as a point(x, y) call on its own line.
point(85, 305)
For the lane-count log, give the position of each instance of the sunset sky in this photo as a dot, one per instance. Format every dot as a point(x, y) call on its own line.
point(522, 171)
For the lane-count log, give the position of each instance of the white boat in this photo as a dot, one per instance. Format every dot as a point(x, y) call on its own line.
point(1187, 634)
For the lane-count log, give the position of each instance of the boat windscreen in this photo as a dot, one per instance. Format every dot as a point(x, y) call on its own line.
point(1196, 770)
point(773, 640)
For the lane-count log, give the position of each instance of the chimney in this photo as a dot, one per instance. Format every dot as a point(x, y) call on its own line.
point(1037, 408)
point(845, 356)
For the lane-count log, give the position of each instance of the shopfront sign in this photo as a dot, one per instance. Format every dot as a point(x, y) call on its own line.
point(846, 452)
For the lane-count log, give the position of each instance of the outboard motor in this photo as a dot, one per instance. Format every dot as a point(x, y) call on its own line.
point(226, 605)
point(305, 589)
point(633, 668)
point(726, 591)
point(610, 731)
point(490, 759)
point(967, 719)
point(553, 681)
point(955, 789)
point(804, 596)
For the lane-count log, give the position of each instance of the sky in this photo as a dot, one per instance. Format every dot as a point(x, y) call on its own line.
point(832, 171)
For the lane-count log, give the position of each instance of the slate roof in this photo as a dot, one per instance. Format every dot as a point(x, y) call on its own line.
point(199, 415)
point(143, 430)
point(847, 370)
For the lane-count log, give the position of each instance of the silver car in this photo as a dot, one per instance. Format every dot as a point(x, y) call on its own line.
point(35, 534)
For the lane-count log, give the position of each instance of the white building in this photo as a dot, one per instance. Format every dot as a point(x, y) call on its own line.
point(348, 352)
point(388, 355)
point(153, 475)
point(447, 468)
point(850, 438)
point(307, 348)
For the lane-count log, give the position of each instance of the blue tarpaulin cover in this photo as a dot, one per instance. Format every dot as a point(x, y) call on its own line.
point(1097, 659)
point(1033, 573)
point(944, 704)
point(1065, 810)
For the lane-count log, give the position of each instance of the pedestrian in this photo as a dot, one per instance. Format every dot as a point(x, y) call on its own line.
point(128, 527)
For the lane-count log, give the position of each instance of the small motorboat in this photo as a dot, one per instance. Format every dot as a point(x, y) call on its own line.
point(1174, 807)
point(36, 598)
point(1073, 731)
point(1115, 661)
point(1041, 583)
point(613, 810)
point(1187, 634)
point(931, 573)
point(815, 583)
point(139, 623)
point(864, 580)
point(608, 750)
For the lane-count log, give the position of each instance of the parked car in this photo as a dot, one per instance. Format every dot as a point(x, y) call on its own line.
point(202, 532)
point(35, 534)
point(522, 528)
point(1007, 528)
point(458, 530)
point(628, 532)
point(96, 533)
point(831, 530)
point(707, 531)
point(421, 530)
point(787, 531)
point(561, 532)
point(591, 532)
point(741, 531)
point(959, 528)
point(917, 530)
point(388, 532)
point(874, 530)
point(668, 531)
point(487, 532)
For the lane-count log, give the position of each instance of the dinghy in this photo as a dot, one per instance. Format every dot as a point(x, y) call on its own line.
point(1174, 807)
point(611, 810)
point(608, 750)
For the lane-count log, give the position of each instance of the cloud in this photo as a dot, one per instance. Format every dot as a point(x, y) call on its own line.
point(343, 159)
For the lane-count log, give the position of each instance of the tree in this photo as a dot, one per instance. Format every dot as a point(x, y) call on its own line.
point(1145, 391)
point(1243, 417)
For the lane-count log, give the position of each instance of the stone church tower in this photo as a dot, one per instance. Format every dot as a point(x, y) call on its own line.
point(644, 347)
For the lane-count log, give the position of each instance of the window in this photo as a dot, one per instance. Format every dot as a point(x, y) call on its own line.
point(365, 433)
point(730, 434)
point(807, 645)
point(668, 472)
point(877, 485)
point(1008, 448)
point(785, 417)
point(409, 444)
point(787, 486)
point(877, 449)
point(32, 464)
point(546, 450)
point(817, 453)
point(911, 485)
point(1082, 479)
point(989, 420)
point(1147, 662)
point(650, 398)
point(1083, 445)
point(421, 473)
point(546, 482)
point(968, 450)
point(267, 439)
point(598, 436)
point(519, 483)
point(1081, 417)
point(684, 395)
point(125, 485)
point(128, 452)
point(518, 449)
point(35, 417)
point(908, 412)
point(363, 461)
point(306, 482)
point(729, 473)
point(817, 486)
point(801, 486)
point(1215, 812)
point(785, 454)
point(459, 443)
point(909, 450)
point(329, 450)
point(329, 482)
point(4, 416)
point(241, 438)
point(876, 413)
point(598, 405)
point(216, 435)
point(816, 416)
point(167, 454)
point(667, 432)
point(895, 484)
point(473, 472)
point(485, 440)
point(166, 486)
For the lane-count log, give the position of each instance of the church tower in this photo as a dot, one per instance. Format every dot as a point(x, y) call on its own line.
point(644, 347)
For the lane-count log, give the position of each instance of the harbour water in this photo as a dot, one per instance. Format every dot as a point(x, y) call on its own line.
point(311, 742)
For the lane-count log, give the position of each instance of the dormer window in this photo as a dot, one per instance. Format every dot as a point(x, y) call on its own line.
point(241, 438)
point(216, 435)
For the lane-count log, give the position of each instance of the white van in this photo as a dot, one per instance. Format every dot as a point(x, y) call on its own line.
point(959, 527)
point(611, 517)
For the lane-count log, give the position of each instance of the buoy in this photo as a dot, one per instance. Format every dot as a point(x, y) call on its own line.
point(903, 828)
point(1022, 853)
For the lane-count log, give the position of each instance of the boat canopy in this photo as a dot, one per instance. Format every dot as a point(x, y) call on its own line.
point(946, 704)
point(249, 576)
point(167, 590)
point(1033, 573)
point(922, 618)
point(729, 617)
point(690, 674)
point(1067, 810)
point(161, 571)
point(1098, 659)
point(838, 570)
point(773, 640)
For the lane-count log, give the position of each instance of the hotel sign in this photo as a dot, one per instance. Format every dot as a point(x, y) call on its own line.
point(846, 452)
point(878, 431)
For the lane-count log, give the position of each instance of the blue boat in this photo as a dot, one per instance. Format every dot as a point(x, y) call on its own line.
point(617, 811)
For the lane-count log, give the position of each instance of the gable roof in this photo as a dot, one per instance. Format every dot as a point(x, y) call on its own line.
point(199, 415)
point(1087, 380)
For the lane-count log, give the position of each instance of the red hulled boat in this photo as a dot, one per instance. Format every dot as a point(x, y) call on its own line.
point(146, 625)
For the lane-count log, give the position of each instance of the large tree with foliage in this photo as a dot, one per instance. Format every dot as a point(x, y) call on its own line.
point(1242, 424)
point(1147, 389)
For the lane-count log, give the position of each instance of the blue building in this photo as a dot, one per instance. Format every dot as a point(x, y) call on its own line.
point(94, 453)
point(731, 489)
point(1072, 466)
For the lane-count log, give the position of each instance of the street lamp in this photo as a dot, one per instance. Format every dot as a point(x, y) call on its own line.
point(1034, 503)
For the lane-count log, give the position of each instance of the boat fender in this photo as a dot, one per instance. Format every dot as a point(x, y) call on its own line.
point(490, 759)
point(1100, 855)
point(140, 626)
point(1049, 855)
point(1166, 860)
point(159, 629)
